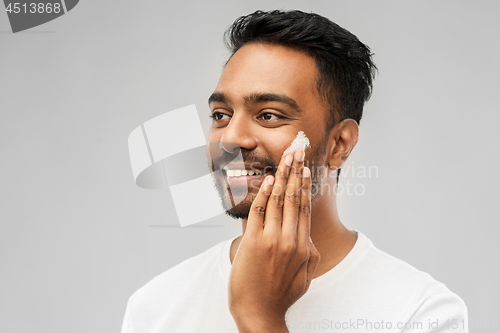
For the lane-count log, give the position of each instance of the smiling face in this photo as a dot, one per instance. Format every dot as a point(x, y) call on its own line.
point(265, 96)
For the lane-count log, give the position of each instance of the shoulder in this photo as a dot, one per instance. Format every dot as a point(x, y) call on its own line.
point(181, 277)
point(415, 292)
point(400, 274)
point(167, 296)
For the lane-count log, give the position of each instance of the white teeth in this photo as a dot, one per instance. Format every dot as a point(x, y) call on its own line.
point(237, 173)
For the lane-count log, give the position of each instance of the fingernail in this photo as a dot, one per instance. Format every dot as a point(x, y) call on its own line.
point(299, 155)
point(289, 159)
point(306, 172)
point(270, 180)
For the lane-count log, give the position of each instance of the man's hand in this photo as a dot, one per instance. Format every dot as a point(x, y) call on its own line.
point(276, 258)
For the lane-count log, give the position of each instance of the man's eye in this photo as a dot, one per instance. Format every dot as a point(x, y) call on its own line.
point(270, 116)
point(218, 116)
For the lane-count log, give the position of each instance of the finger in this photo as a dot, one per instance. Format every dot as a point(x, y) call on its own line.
point(274, 209)
point(301, 260)
point(304, 223)
point(258, 209)
point(293, 197)
point(312, 264)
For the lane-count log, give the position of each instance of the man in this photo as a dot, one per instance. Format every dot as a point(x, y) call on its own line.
point(296, 268)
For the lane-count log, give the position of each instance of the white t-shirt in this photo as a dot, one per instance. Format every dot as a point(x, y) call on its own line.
point(368, 291)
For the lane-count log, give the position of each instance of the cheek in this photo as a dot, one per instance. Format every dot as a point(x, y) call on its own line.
point(213, 136)
point(213, 147)
point(276, 145)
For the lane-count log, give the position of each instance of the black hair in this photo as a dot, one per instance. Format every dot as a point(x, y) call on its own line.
point(345, 66)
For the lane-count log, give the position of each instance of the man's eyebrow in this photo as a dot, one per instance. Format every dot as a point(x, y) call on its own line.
point(270, 97)
point(218, 97)
point(258, 98)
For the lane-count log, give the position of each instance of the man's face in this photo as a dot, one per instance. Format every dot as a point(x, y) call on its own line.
point(265, 96)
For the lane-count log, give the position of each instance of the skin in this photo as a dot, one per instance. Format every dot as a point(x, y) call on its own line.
point(292, 247)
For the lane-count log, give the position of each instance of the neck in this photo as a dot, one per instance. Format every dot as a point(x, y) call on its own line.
point(332, 239)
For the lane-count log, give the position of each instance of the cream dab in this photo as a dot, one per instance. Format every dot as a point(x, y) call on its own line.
point(301, 141)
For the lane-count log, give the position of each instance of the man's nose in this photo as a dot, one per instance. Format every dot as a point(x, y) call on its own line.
point(238, 134)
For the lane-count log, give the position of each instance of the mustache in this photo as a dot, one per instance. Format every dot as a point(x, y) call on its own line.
point(224, 158)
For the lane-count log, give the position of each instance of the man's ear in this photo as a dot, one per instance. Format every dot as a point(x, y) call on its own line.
point(342, 139)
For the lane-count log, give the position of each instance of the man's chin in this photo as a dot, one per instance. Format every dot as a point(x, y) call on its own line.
point(241, 210)
point(229, 197)
point(237, 213)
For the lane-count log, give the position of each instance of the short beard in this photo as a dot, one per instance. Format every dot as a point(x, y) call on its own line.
point(239, 211)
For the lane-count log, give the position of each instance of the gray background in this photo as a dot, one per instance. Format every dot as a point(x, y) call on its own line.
point(78, 237)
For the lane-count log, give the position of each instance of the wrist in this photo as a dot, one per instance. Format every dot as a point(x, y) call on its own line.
point(260, 324)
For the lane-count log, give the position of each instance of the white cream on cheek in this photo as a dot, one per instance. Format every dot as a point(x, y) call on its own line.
point(301, 141)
